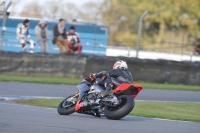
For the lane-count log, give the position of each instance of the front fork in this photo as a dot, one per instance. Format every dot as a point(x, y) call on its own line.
point(76, 95)
point(74, 99)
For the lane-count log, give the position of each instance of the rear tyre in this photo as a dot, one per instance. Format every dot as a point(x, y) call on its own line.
point(66, 107)
point(121, 110)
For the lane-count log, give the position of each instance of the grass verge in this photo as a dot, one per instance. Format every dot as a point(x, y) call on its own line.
point(165, 110)
point(73, 81)
point(46, 80)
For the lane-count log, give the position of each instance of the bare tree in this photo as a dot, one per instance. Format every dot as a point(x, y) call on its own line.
point(91, 12)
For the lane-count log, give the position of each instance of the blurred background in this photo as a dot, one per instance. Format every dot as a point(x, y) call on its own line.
point(109, 26)
point(158, 38)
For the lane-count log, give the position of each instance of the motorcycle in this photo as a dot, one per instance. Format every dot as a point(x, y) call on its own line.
point(114, 107)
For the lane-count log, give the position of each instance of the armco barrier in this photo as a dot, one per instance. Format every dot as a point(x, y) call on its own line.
point(79, 66)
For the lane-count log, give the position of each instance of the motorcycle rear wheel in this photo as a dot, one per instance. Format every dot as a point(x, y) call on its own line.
point(66, 110)
point(124, 108)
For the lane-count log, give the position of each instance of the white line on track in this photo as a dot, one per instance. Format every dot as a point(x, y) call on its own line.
point(162, 119)
point(15, 104)
point(165, 101)
point(13, 97)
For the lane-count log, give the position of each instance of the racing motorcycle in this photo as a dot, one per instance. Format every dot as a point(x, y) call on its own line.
point(114, 106)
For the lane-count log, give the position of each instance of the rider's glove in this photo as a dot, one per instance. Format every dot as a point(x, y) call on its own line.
point(103, 78)
point(92, 76)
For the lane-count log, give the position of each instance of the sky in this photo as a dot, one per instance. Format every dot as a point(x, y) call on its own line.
point(21, 5)
point(76, 2)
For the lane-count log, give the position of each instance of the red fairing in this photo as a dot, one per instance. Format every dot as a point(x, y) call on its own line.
point(138, 87)
point(125, 87)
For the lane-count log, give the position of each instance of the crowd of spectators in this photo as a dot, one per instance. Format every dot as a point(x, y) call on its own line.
point(67, 42)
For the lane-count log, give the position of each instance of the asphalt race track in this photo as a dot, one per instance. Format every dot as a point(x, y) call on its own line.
point(29, 119)
point(50, 90)
point(16, 118)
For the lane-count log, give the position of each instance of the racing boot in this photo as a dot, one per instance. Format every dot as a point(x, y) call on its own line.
point(108, 90)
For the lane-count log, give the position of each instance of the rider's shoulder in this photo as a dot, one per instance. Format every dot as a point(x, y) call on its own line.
point(115, 71)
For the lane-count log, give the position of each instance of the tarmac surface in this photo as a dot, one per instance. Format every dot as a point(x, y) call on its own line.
point(15, 118)
point(51, 90)
point(29, 119)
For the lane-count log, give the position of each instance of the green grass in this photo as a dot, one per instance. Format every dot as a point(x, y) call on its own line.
point(46, 80)
point(51, 103)
point(166, 110)
point(73, 81)
point(169, 86)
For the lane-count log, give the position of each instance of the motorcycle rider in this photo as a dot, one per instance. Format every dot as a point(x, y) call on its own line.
point(112, 79)
point(23, 35)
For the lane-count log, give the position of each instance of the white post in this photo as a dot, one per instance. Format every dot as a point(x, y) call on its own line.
point(5, 8)
point(140, 32)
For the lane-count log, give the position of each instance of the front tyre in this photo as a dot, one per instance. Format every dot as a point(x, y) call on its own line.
point(124, 108)
point(66, 107)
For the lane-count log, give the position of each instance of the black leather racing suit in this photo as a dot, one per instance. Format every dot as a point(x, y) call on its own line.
point(115, 77)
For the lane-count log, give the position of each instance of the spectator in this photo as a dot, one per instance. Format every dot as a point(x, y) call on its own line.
point(23, 35)
point(74, 40)
point(41, 32)
point(197, 46)
point(60, 38)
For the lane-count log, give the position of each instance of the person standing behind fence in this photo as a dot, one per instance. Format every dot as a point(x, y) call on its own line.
point(60, 38)
point(74, 40)
point(41, 32)
point(23, 35)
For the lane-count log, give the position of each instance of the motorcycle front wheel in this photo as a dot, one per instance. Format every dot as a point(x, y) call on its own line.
point(66, 107)
point(125, 106)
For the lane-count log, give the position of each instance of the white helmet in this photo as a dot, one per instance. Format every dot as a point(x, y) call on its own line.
point(120, 64)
